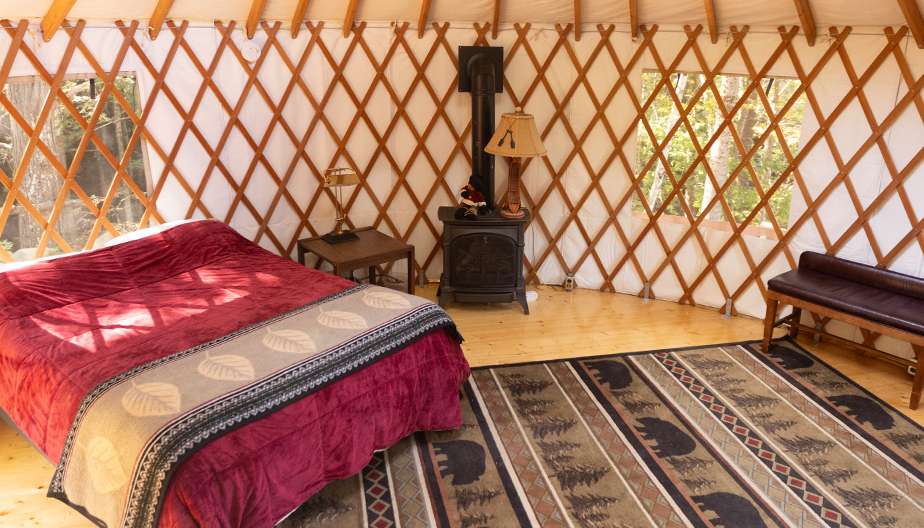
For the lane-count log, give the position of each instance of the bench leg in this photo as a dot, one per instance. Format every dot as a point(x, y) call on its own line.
point(918, 378)
point(768, 322)
point(796, 318)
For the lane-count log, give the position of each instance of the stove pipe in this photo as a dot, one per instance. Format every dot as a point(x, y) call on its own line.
point(481, 72)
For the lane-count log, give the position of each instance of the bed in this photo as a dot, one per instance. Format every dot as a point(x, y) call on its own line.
point(70, 324)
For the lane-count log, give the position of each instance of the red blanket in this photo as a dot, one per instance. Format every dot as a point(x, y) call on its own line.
point(67, 325)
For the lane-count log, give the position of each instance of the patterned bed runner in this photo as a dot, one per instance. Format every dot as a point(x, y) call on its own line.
point(157, 414)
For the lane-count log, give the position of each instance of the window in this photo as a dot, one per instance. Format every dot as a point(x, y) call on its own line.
point(61, 136)
point(724, 157)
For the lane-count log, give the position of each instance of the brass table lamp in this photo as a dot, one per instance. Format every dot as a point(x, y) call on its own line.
point(338, 178)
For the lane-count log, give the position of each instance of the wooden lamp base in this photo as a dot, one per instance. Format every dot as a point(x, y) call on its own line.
point(513, 209)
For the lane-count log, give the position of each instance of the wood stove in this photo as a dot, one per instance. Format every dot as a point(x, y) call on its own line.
point(482, 259)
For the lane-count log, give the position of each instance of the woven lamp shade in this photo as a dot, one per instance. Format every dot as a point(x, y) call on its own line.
point(516, 137)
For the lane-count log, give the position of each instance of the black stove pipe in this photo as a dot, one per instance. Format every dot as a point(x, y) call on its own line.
point(481, 72)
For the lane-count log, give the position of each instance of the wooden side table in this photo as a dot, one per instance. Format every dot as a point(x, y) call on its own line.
point(371, 249)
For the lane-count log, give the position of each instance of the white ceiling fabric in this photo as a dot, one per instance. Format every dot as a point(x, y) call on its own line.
point(728, 12)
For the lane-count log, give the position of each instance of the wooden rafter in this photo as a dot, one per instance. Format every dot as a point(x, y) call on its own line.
point(577, 20)
point(299, 17)
point(159, 17)
point(914, 19)
point(349, 17)
point(808, 21)
point(424, 15)
point(495, 20)
point(56, 14)
point(253, 19)
point(633, 17)
point(711, 20)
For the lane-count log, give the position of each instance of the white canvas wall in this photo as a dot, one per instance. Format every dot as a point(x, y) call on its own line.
point(411, 214)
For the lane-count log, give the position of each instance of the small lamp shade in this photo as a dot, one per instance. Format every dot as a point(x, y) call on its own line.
point(338, 177)
point(516, 137)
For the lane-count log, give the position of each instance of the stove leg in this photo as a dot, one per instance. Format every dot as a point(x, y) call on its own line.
point(443, 299)
point(521, 296)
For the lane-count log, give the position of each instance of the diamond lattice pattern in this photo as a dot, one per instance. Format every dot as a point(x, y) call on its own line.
point(247, 143)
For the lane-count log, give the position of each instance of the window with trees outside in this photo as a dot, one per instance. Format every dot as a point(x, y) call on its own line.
point(701, 159)
point(51, 161)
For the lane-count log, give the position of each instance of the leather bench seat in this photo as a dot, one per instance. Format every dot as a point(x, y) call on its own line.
point(882, 301)
point(844, 295)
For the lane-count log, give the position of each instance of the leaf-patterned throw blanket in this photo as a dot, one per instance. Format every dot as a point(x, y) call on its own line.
point(133, 430)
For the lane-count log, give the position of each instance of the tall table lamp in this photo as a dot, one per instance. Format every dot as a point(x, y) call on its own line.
point(338, 178)
point(516, 137)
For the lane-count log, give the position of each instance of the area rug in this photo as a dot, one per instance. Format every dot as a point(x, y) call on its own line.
point(708, 436)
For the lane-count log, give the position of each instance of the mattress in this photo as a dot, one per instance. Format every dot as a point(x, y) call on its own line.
point(69, 324)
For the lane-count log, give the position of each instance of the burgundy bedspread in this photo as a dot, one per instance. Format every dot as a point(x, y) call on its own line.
point(67, 325)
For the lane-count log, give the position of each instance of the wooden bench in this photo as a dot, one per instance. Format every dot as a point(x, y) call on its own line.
point(881, 301)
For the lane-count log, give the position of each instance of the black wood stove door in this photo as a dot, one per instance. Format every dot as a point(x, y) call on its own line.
point(483, 259)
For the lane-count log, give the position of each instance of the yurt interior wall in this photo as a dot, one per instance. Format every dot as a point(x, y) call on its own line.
point(823, 153)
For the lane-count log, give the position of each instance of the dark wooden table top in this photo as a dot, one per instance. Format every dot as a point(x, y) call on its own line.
point(371, 244)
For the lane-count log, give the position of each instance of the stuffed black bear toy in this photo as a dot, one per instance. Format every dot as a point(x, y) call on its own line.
point(473, 202)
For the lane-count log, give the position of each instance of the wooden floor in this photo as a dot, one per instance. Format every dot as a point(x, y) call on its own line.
point(560, 325)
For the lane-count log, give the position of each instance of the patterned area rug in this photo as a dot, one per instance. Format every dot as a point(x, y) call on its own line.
point(708, 436)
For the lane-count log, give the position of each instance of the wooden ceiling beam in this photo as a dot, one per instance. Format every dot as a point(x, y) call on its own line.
point(299, 17)
point(808, 21)
point(56, 14)
point(159, 17)
point(496, 20)
point(424, 16)
point(350, 15)
point(633, 17)
point(912, 16)
point(710, 18)
point(577, 20)
point(256, 13)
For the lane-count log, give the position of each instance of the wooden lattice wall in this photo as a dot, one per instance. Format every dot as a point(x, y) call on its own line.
point(247, 142)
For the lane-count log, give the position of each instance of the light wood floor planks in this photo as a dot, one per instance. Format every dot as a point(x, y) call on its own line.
point(560, 325)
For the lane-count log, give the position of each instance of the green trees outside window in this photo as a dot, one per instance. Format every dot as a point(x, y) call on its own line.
point(681, 150)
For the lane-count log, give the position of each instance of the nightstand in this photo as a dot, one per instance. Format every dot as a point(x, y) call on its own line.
point(371, 249)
